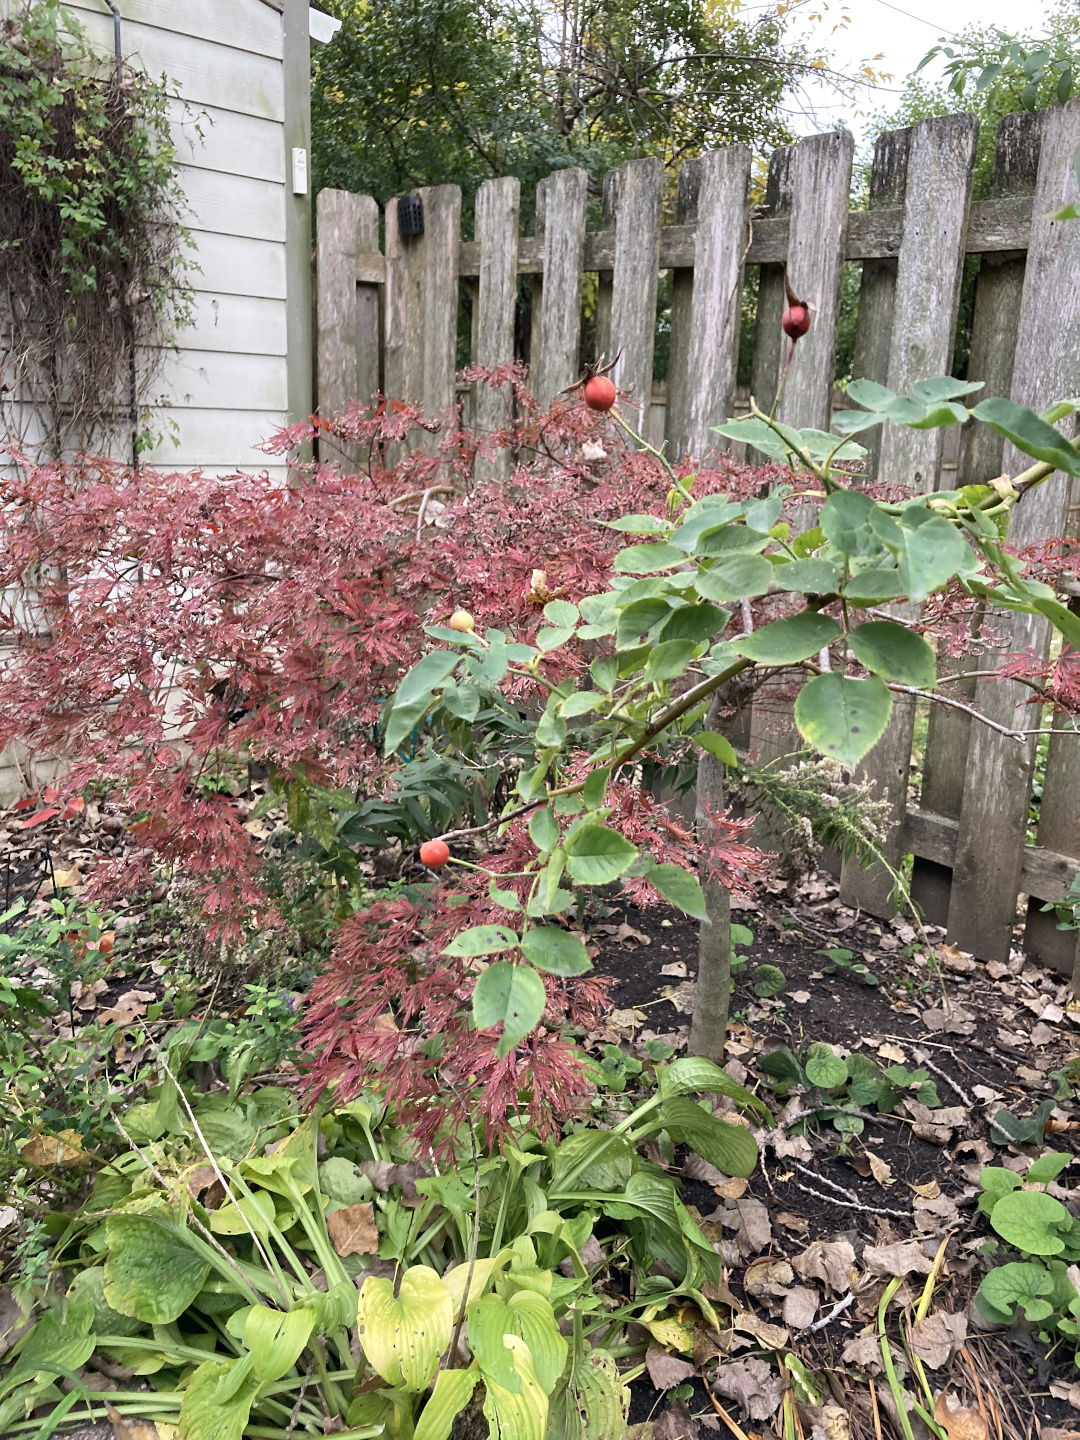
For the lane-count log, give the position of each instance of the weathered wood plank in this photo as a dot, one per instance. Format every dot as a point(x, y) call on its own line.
point(560, 308)
point(820, 185)
point(723, 192)
point(770, 294)
point(498, 213)
point(1059, 830)
point(1043, 872)
point(634, 283)
point(337, 219)
point(395, 305)
point(989, 850)
point(368, 338)
point(676, 408)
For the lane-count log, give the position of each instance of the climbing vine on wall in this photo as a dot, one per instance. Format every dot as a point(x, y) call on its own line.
point(94, 257)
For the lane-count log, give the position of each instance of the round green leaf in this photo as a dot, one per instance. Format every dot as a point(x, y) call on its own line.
point(1032, 1221)
point(669, 659)
point(717, 745)
point(1010, 1285)
point(695, 622)
point(555, 951)
point(845, 521)
point(809, 577)
point(642, 559)
point(512, 996)
point(739, 577)
point(874, 587)
point(769, 980)
point(482, 940)
point(597, 855)
point(824, 1067)
point(841, 717)
point(785, 642)
point(894, 651)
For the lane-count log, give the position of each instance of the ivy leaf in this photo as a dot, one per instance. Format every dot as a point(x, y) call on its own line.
point(841, 717)
point(894, 651)
point(785, 642)
point(512, 996)
point(555, 951)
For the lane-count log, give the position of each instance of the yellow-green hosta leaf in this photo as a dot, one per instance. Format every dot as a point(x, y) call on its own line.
point(528, 1316)
point(244, 1214)
point(276, 1339)
point(478, 1280)
point(453, 1391)
point(590, 1402)
point(217, 1401)
point(152, 1274)
point(404, 1336)
point(522, 1415)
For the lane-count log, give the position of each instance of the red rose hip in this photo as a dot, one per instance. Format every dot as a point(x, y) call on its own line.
point(434, 854)
point(599, 392)
point(796, 321)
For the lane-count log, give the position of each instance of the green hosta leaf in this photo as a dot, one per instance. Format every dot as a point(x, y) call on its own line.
point(737, 577)
point(242, 1215)
point(644, 559)
point(841, 717)
point(809, 577)
point(544, 828)
point(669, 659)
point(1015, 1284)
point(276, 1338)
point(716, 745)
point(932, 554)
point(404, 1336)
point(520, 1414)
point(845, 521)
point(482, 940)
point(453, 1391)
point(217, 1400)
point(512, 996)
point(592, 1160)
point(894, 651)
point(528, 1316)
point(590, 1402)
point(874, 587)
point(785, 642)
point(695, 622)
point(731, 1148)
point(1032, 1221)
point(1030, 434)
point(53, 1341)
point(597, 854)
point(824, 1067)
point(555, 951)
point(680, 889)
point(152, 1274)
point(693, 1075)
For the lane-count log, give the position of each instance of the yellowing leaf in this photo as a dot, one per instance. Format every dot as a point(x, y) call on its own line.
point(66, 1148)
point(671, 1334)
point(404, 1336)
point(960, 1424)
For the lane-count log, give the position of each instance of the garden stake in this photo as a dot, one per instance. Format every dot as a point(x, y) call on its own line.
point(733, 1425)
point(874, 1404)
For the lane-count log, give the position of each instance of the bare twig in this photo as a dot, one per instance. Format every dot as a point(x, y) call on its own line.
point(851, 1204)
point(1018, 735)
point(837, 1309)
point(886, 1120)
point(962, 1095)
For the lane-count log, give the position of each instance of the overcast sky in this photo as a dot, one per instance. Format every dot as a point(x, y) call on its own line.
point(901, 33)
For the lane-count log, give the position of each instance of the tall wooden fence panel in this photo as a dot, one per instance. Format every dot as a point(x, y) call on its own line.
point(389, 320)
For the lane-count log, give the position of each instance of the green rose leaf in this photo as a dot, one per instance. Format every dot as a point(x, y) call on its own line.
point(555, 951)
point(544, 828)
point(894, 651)
point(737, 577)
point(695, 622)
point(1030, 434)
point(680, 889)
point(785, 642)
point(596, 854)
point(717, 745)
point(809, 577)
point(152, 1274)
point(932, 553)
point(482, 940)
point(874, 587)
point(668, 659)
point(841, 717)
point(512, 996)
point(845, 521)
point(643, 559)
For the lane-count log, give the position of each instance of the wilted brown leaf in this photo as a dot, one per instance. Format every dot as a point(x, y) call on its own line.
point(129, 1427)
point(677, 969)
point(753, 1384)
point(353, 1229)
point(960, 1424)
point(130, 1006)
point(864, 1351)
point(769, 1275)
point(928, 1192)
point(667, 1370)
point(955, 959)
point(773, 1337)
point(798, 1223)
point(800, 1307)
point(830, 1260)
point(13, 1323)
point(888, 1051)
point(937, 1338)
point(902, 1257)
point(66, 1148)
point(676, 1423)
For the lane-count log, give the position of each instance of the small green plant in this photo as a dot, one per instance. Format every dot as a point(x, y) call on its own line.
point(1068, 910)
point(769, 980)
point(840, 959)
point(741, 938)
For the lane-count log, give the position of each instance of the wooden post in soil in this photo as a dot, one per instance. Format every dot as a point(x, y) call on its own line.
point(498, 208)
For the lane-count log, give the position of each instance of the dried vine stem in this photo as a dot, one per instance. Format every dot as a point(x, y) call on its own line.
point(92, 248)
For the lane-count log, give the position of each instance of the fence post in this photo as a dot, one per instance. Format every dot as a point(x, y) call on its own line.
point(993, 817)
point(563, 216)
point(676, 414)
point(940, 164)
point(877, 289)
point(634, 281)
point(498, 210)
point(716, 307)
point(993, 345)
point(337, 218)
point(1059, 829)
point(368, 327)
point(820, 194)
point(770, 294)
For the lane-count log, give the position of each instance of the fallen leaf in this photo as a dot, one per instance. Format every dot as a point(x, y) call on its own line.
point(955, 959)
point(198, 1179)
point(65, 880)
point(1053, 1015)
point(14, 1322)
point(799, 996)
point(960, 1424)
point(768, 1275)
point(938, 1337)
point(627, 1019)
point(956, 1021)
point(773, 1337)
point(681, 996)
point(1031, 1077)
point(928, 1192)
point(798, 1223)
point(750, 1220)
point(1061, 1391)
point(128, 1427)
point(353, 1229)
point(66, 1148)
point(677, 968)
point(830, 1260)
point(671, 1335)
point(871, 1165)
point(902, 1257)
point(800, 1307)
point(865, 1352)
point(86, 996)
point(892, 1052)
point(726, 1187)
point(676, 1423)
point(1042, 1035)
point(936, 1215)
point(129, 1006)
point(667, 1370)
point(751, 1383)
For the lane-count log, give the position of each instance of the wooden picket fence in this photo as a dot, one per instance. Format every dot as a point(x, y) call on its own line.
point(389, 320)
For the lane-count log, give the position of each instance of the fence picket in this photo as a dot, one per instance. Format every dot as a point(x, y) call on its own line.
point(676, 411)
point(820, 189)
point(940, 164)
point(563, 218)
point(993, 816)
point(498, 209)
point(368, 326)
point(336, 353)
point(768, 336)
point(634, 282)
